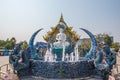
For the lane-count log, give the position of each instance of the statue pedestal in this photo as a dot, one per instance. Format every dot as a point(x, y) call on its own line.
point(62, 70)
point(58, 52)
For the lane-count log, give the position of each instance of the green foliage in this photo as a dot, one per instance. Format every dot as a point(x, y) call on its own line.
point(8, 44)
point(108, 40)
point(25, 45)
point(2, 43)
point(85, 44)
point(116, 46)
point(13, 42)
point(104, 38)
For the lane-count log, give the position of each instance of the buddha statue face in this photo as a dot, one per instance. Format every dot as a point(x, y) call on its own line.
point(61, 30)
point(61, 39)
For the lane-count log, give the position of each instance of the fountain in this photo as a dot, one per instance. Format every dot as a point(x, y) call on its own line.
point(61, 59)
point(62, 44)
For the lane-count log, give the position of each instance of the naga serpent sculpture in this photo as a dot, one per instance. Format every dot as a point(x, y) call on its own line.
point(91, 53)
point(20, 59)
point(31, 45)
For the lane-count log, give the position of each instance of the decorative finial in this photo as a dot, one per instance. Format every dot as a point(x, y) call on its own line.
point(61, 18)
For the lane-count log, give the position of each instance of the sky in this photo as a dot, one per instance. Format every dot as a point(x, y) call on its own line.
point(21, 18)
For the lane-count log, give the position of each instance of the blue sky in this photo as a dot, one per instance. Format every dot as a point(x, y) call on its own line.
point(20, 18)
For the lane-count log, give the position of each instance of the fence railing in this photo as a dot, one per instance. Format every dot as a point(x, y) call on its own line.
point(3, 69)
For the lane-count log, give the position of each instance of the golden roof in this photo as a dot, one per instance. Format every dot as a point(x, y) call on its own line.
point(61, 18)
point(51, 35)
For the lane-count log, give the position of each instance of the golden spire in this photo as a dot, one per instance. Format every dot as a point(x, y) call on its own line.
point(61, 18)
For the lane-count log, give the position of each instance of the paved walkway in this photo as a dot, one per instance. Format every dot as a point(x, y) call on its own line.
point(5, 60)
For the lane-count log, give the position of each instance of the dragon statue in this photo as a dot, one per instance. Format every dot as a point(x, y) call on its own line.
point(19, 59)
point(103, 58)
point(94, 46)
point(110, 56)
point(105, 61)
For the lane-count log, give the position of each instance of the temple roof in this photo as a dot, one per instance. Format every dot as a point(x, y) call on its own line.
point(62, 23)
point(61, 18)
point(51, 35)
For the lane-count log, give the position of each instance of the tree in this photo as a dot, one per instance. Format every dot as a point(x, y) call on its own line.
point(8, 44)
point(25, 45)
point(13, 42)
point(84, 47)
point(108, 40)
point(104, 38)
point(116, 46)
point(2, 43)
point(86, 43)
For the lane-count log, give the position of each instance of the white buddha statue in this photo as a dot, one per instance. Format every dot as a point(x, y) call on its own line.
point(61, 42)
point(61, 39)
